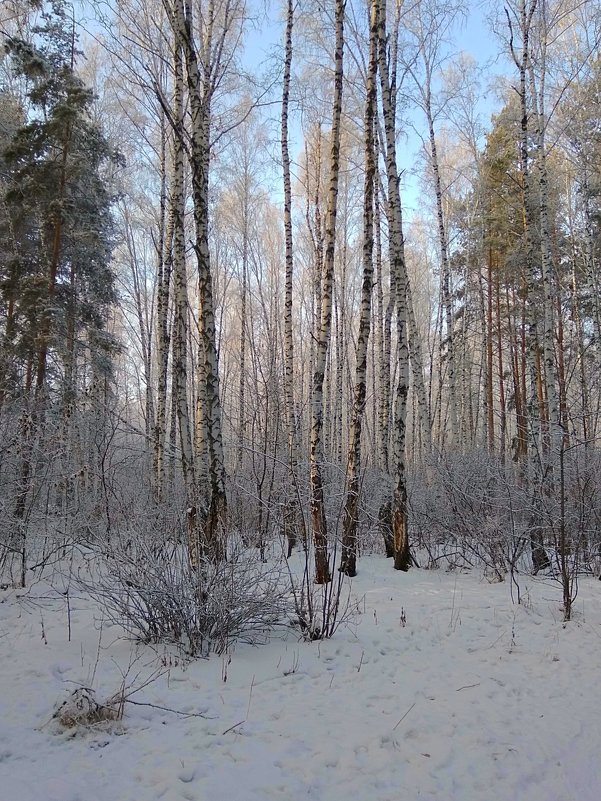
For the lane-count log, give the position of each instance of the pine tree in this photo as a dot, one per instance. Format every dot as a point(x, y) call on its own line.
point(56, 281)
point(55, 270)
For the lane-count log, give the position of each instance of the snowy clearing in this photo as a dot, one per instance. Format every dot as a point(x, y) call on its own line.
point(471, 698)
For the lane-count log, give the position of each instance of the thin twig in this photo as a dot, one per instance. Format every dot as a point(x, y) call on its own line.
point(240, 722)
point(250, 695)
point(404, 716)
point(168, 709)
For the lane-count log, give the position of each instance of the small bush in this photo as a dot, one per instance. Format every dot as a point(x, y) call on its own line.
point(159, 597)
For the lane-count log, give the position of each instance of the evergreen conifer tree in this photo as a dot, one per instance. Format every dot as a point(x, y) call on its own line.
point(57, 285)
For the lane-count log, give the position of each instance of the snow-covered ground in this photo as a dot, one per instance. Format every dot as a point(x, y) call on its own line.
point(472, 699)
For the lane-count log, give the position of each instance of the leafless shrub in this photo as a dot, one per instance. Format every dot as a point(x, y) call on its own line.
point(320, 609)
point(156, 595)
point(476, 510)
point(469, 510)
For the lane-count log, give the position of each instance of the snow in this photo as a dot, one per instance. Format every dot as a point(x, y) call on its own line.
point(474, 698)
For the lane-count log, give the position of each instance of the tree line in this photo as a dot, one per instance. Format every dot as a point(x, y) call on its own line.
point(232, 322)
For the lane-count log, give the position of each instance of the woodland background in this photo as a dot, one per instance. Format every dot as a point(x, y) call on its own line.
point(221, 337)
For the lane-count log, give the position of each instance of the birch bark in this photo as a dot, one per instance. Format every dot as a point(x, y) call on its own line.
point(205, 62)
point(181, 314)
point(290, 411)
point(402, 558)
point(164, 264)
point(318, 516)
point(348, 562)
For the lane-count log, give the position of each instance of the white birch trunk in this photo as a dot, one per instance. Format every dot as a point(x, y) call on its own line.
point(164, 265)
point(290, 516)
point(203, 74)
point(402, 557)
point(318, 517)
point(181, 314)
point(348, 562)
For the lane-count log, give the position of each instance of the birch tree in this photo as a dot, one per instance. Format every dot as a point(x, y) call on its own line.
point(398, 267)
point(163, 335)
point(290, 411)
point(206, 37)
point(181, 314)
point(353, 470)
point(318, 514)
point(429, 22)
point(522, 17)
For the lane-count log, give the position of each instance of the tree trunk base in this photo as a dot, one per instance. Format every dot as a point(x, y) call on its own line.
point(348, 565)
point(402, 561)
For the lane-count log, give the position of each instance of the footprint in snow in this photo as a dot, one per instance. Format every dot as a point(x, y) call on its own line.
point(186, 775)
